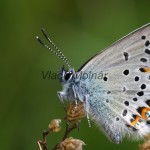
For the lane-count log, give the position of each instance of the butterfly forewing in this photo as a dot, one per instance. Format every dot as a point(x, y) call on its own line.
point(128, 47)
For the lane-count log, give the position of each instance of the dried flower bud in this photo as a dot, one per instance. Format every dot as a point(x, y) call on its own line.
point(54, 126)
point(146, 144)
point(75, 111)
point(71, 144)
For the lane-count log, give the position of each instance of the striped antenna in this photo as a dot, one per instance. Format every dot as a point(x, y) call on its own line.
point(57, 52)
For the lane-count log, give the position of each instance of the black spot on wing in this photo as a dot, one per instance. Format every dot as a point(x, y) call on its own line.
point(142, 70)
point(147, 43)
point(105, 78)
point(107, 101)
point(126, 103)
point(108, 92)
point(124, 89)
point(139, 109)
point(143, 60)
point(143, 37)
point(147, 51)
point(124, 112)
point(143, 86)
point(135, 99)
point(147, 102)
point(126, 56)
point(141, 93)
point(136, 78)
point(117, 119)
point(126, 72)
point(134, 116)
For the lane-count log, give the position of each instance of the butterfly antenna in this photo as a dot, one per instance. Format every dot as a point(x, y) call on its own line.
point(57, 52)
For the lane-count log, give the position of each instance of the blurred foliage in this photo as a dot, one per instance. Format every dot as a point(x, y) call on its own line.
point(80, 29)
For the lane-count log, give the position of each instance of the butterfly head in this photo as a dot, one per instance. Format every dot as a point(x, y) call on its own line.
point(66, 76)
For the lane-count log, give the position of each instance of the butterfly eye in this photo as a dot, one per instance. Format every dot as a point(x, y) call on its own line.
point(68, 75)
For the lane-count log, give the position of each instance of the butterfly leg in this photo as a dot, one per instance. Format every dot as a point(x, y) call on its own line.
point(87, 107)
point(75, 95)
point(60, 95)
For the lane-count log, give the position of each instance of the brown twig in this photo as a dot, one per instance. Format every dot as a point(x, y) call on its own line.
point(44, 142)
point(68, 130)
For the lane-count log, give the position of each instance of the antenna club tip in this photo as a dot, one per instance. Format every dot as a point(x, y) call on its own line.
point(37, 37)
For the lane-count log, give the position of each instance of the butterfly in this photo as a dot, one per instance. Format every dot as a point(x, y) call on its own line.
point(114, 86)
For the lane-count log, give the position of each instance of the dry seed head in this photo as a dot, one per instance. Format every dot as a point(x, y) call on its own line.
point(71, 144)
point(54, 126)
point(146, 144)
point(75, 111)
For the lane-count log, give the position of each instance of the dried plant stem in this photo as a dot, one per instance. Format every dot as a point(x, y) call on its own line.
point(39, 144)
point(68, 130)
point(44, 142)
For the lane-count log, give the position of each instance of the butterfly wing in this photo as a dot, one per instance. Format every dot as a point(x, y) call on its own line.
point(133, 43)
point(119, 101)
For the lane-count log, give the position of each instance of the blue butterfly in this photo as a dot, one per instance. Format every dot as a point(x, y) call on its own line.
point(117, 94)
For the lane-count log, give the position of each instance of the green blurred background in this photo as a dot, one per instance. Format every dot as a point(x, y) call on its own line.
point(80, 28)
